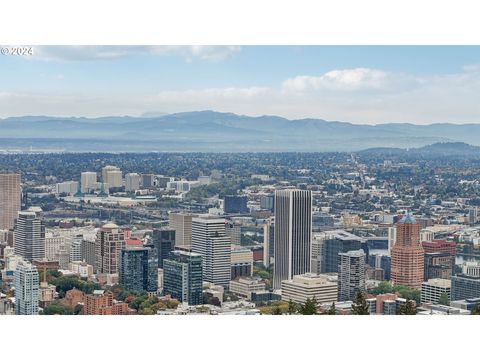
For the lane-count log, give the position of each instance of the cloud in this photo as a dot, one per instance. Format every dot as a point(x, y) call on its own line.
point(111, 52)
point(358, 79)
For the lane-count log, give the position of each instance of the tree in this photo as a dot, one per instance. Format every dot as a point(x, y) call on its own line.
point(444, 299)
point(276, 310)
point(408, 308)
point(57, 308)
point(360, 306)
point(310, 307)
point(476, 310)
point(292, 307)
point(332, 310)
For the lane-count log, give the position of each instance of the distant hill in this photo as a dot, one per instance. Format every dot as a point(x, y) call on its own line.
point(215, 131)
point(440, 149)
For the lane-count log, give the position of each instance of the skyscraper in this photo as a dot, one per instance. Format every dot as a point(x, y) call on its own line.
point(268, 241)
point(351, 274)
point(110, 240)
point(182, 224)
point(29, 236)
point(408, 254)
point(88, 181)
point(210, 241)
point(163, 240)
point(293, 234)
point(132, 182)
point(87, 249)
point(10, 198)
point(112, 175)
point(26, 289)
point(138, 269)
point(182, 277)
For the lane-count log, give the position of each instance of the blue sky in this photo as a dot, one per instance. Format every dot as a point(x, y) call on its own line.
point(360, 84)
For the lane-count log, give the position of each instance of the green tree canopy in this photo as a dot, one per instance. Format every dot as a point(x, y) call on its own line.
point(408, 308)
point(332, 310)
point(309, 308)
point(360, 306)
point(444, 299)
point(57, 308)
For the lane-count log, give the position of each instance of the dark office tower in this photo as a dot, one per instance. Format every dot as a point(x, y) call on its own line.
point(407, 254)
point(163, 240)
point(235, 204)
point(351, 274)
point(210, 241)
point(182, 277)
point(438, 266)
point(10, 195)
point(138, 269)
point(147, 180)
point(29, 236)
point(87, 249)
point(293, 234)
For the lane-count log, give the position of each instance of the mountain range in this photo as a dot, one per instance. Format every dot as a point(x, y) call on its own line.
point(216, 131)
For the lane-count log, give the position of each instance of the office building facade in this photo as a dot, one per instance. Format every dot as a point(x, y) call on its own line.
point(29, 236)
point(408, 254)
point(26, 289)
point(293, 234)
point(309, 286)
point(138, 269)
point(351, 274)
point(88, 181)
point(182, 277)
point(182, 224)
point(10, 199)
point(110, 241)
point(235, 204)
point(210, 241)
point(433, 289)
point(163, 240)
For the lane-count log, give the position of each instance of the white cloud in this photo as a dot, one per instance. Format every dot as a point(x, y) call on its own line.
point(358, 79)
point(110, 52)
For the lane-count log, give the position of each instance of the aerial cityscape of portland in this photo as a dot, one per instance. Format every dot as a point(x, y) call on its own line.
point(239, 180)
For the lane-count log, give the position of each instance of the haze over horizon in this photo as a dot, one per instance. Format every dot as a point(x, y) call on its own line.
point(355, 84)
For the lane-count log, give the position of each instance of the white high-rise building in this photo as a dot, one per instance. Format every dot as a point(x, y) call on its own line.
point(67, 187)
point(112, 175)
point(268, 242)
point(29, 236)
point(88, 181)
point(210, 241)
point(132, 182)
point(26, 289)
point(392, 236)
point(10, 198)
point(351, 274)
point(293, 234)
point(75, 253)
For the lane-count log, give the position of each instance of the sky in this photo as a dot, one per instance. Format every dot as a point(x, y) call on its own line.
point(357, 84)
